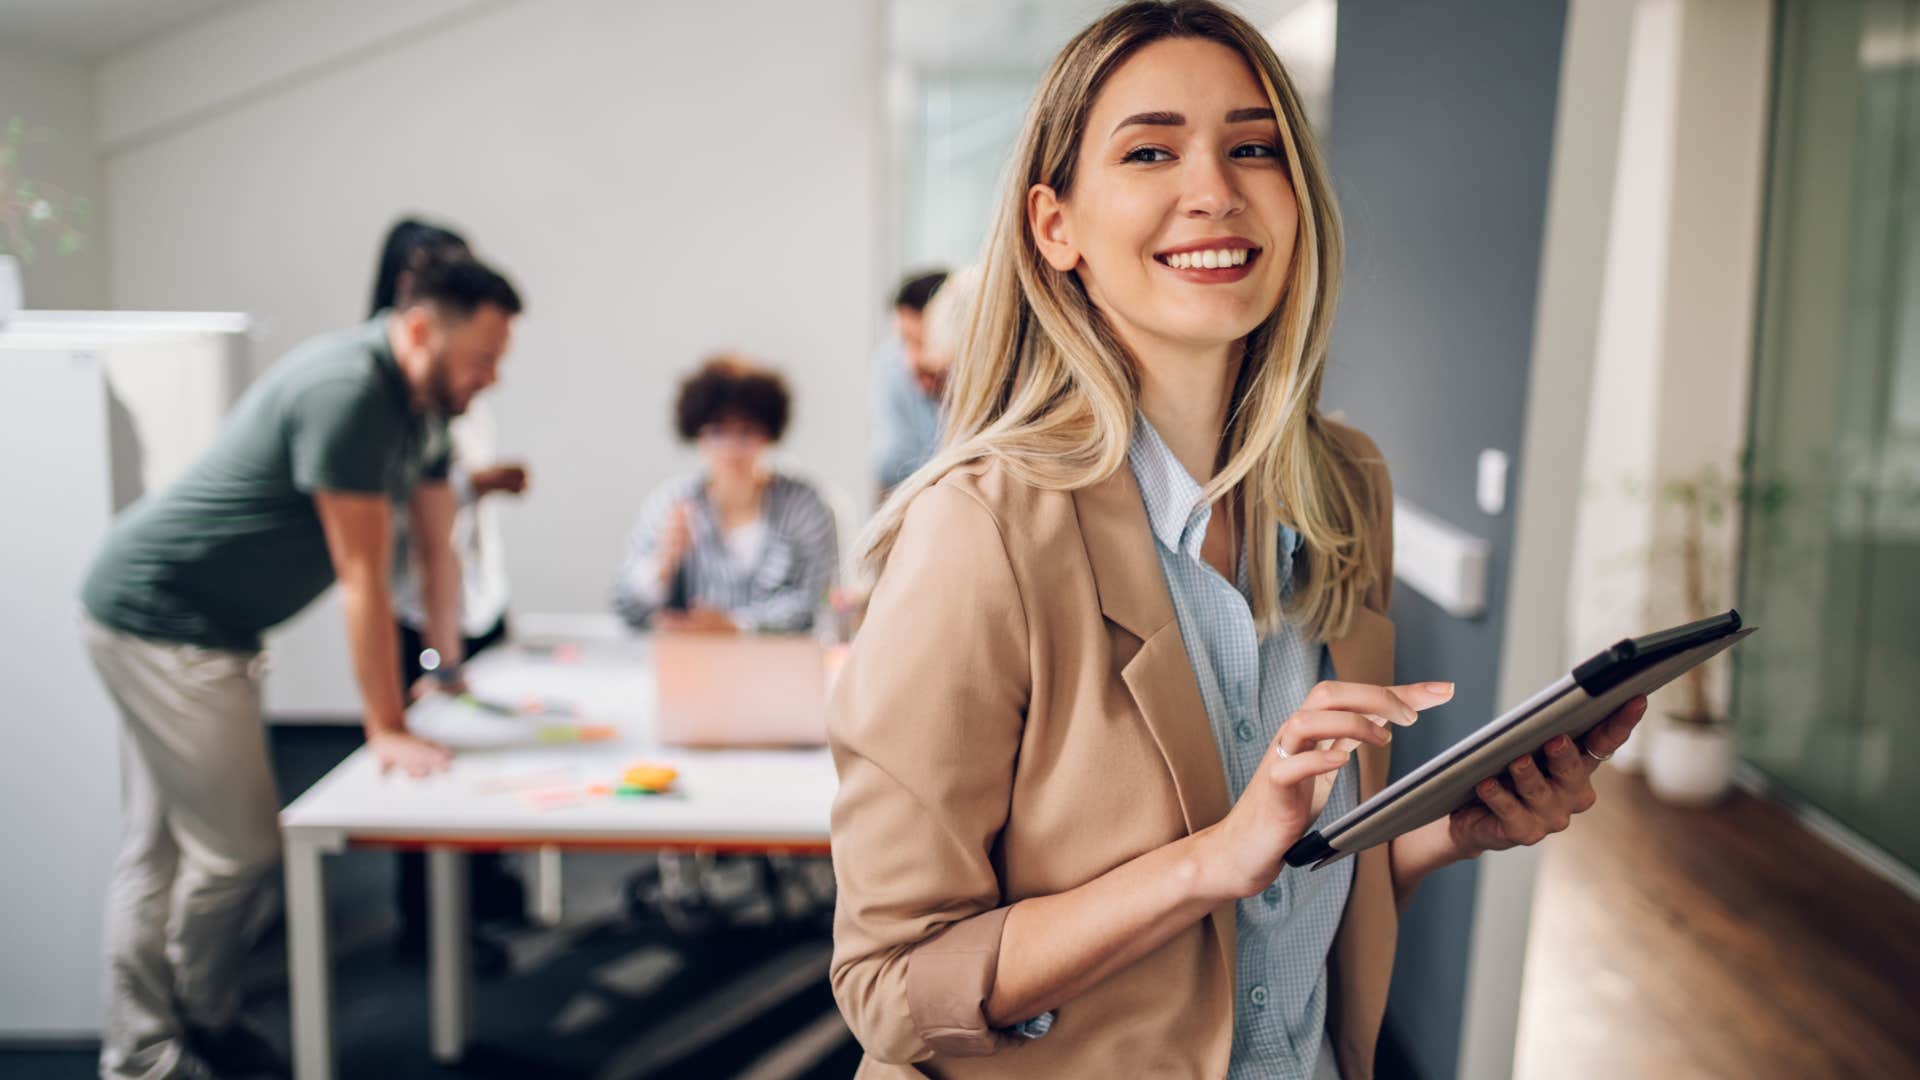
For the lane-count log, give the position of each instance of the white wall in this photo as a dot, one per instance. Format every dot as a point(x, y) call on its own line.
point(1675, 341)
point(54, 101)
point(660, 179)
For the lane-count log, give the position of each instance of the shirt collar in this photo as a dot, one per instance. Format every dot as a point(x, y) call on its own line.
point(381, 346)
point(1176, 507)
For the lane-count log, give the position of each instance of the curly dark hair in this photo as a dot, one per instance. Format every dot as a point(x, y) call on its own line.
point(727, 386)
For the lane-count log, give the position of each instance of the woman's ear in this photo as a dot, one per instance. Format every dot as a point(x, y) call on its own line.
point(1047, 219)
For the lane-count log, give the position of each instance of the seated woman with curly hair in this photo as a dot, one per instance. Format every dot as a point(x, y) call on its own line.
point(736, 544)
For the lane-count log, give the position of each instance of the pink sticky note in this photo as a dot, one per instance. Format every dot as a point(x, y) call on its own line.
point(552, 798)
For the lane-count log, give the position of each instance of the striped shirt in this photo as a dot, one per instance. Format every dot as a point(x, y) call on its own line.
point(776, 589)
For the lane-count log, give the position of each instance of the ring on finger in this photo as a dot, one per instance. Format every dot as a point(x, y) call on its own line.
point(1588, 750)
point(1281, 750)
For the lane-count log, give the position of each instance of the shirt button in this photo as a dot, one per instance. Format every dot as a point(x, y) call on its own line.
point(1243, 731)
point(1271, 894)
point(1258, 995)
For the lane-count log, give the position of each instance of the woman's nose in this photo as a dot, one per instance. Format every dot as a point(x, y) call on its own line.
point(1210, 191)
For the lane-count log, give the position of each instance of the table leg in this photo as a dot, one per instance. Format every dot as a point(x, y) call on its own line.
point(309, 962)
point(546, 886)
point(449, 952)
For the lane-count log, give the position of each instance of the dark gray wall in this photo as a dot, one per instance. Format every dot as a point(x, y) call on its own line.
point(1441, 136)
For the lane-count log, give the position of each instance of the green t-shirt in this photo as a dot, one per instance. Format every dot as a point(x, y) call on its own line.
point(235, 545)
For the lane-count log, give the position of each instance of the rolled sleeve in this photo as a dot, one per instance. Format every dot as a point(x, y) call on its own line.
point(637, 592)
point(924, 727)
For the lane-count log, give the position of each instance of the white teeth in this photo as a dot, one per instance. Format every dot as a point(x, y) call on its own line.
point(1208, 260)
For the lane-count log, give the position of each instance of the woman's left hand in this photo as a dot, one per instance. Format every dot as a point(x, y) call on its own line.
point(1531, 803)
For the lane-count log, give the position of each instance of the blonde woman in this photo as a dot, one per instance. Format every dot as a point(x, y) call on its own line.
point(1129, 637)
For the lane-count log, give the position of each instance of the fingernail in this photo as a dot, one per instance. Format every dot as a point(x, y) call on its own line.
point(1439, 688)
point(1486, 787)
point(1523, 765)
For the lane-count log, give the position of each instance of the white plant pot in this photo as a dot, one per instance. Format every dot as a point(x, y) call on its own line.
point(10, 301)
point(1690, 764)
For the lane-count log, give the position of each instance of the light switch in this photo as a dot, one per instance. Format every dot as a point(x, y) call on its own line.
point(1491, 488)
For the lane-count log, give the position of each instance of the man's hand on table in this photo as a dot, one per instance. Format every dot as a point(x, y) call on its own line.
point(408, 753)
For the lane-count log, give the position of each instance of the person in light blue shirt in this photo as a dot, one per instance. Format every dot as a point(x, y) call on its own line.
point(907, 404)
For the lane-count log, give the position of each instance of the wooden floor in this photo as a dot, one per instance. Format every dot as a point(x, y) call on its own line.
point(1726, 942)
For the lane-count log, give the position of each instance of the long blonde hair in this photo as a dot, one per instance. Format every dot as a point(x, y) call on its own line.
point(1044, 387)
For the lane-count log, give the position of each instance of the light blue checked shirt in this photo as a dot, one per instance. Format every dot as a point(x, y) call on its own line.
point(1250, 685)
point(905, 418)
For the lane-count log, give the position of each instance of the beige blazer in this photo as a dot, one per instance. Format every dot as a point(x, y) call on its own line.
point(1018, 717)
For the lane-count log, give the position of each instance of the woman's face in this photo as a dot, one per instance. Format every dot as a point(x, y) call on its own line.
point(1182, 216)
point(733, 445)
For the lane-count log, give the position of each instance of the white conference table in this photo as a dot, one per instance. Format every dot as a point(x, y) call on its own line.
point(509, 789)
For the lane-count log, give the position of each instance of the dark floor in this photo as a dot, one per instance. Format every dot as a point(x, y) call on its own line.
point(1720, 942)
point(601, 995)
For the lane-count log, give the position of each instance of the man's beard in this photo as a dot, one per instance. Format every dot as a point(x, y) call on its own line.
point(440, 395)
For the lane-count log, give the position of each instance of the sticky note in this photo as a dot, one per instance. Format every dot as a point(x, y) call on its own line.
point(550, 798)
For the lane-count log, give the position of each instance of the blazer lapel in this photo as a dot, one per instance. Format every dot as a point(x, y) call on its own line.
point(1133, 594)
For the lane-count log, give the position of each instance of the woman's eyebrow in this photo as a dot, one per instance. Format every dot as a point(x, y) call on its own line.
point(1155, 119)
point(1174, 119)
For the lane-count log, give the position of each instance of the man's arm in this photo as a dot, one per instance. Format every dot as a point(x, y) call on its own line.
point(430, 515)
point(360, 542)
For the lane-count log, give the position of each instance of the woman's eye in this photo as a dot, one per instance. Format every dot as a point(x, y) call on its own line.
point(1255, 150)
point(1148, 154)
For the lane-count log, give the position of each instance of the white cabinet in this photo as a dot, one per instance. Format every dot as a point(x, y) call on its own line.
point(93, 407)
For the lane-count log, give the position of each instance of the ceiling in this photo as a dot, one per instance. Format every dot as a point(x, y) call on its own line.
point(1008, 34)
point(88, 31)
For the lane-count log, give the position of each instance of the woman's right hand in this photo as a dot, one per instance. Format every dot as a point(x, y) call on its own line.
point(1243, 852)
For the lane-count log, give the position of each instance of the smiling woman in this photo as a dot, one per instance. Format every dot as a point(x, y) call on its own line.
point(1129, 637)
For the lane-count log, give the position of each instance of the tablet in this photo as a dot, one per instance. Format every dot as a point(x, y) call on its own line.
point(1571, 706)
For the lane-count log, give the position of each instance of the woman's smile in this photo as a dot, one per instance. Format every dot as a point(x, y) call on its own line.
point(1217, 261)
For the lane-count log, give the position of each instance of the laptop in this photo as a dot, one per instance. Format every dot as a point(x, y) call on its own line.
point(741, 689)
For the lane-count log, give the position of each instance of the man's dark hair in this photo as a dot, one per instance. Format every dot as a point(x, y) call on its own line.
point(727, 387)
point(914, 293)
point(411, 246)
point(458, 289)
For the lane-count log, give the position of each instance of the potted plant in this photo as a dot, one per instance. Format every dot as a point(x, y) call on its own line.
point(31, 214)
point(1688, 751)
